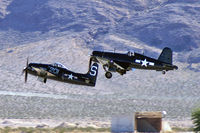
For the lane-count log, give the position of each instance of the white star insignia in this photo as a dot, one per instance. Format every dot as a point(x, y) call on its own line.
point(144, 63)
point(70, 76)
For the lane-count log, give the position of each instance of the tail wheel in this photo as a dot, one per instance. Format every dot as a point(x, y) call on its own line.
point(108, 75)
point(163, 72)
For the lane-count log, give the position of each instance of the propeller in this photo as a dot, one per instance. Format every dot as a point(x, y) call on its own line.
point(25, 70)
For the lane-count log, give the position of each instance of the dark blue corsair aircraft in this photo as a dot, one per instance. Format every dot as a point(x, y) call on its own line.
point(118, 62)
point(59, 72)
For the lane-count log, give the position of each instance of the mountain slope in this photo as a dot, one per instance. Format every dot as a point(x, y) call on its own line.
point(67, 31)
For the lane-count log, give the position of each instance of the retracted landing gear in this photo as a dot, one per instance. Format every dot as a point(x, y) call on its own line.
point(108, 75)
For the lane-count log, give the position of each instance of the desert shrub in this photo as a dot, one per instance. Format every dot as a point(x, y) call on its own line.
point(196, 119)
point(7, 130)
point(103, 129)
point(180, 129)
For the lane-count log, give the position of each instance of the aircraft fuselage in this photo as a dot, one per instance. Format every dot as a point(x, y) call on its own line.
point(129, 61)
point(48, 71)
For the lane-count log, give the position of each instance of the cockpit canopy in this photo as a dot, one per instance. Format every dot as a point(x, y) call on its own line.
point(57, 64)
point(130, 53)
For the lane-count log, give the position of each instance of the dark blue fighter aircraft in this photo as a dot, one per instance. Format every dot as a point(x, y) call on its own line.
point(118, 62)
point(59, 72)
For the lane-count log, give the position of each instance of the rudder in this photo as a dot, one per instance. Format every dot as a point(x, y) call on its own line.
point(166, 55)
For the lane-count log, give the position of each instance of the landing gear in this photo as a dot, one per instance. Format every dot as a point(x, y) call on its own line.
point(108, 75)
point(42, 79)
point(163, 72)
point(45, 80)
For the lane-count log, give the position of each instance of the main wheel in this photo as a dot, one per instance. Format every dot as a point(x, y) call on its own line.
point(108, 75)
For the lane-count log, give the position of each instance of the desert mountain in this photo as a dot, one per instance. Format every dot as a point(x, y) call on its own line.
point(67, 31)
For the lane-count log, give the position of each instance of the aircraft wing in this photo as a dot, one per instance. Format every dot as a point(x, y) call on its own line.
point(43, 72)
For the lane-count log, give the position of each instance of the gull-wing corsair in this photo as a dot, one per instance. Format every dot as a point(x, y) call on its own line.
point(59, 72)
point(118, 62)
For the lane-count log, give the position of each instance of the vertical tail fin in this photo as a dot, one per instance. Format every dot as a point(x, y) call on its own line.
point(93, 72)
point(166, 55)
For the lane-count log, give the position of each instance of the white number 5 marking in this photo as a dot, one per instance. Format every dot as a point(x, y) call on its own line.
point(93, 71)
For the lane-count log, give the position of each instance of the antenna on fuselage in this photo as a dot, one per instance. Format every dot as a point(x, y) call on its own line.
point(143, 51)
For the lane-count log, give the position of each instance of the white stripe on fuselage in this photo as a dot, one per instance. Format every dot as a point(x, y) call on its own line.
point(137, 61)
point(151, 63)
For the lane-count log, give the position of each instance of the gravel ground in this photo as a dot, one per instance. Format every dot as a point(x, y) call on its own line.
point(96, 107)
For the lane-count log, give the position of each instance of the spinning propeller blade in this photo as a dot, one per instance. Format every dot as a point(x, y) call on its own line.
point(26, 71)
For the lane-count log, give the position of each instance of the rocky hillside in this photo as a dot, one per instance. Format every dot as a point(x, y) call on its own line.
point(48, 31)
